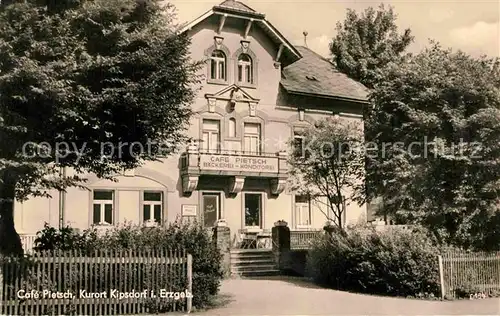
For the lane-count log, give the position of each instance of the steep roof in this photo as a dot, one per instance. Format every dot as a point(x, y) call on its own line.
point(236, 9)
point(315, 75)
point(236, 5)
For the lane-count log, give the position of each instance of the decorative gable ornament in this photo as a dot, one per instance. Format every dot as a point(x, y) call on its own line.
point(218, 40)
point(211, 105)
point(237, 94)
point(251, 108)
point(232, 95)
point(244, 46)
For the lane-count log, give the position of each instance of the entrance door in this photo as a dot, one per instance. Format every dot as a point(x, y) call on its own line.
point(253, 210)
point(211, 209)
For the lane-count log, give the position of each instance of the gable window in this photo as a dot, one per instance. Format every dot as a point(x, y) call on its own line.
point(103, 201)
point(218, 65)
point(152, 207)
point(245, 69)
point(251, 138)
point(210, 136)
point(302, 211)
point(232, 127)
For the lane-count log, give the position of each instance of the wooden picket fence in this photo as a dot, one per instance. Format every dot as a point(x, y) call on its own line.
point(106, 282)
point(465, 273)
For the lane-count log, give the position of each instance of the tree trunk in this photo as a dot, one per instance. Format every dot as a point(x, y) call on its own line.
point(10, 242)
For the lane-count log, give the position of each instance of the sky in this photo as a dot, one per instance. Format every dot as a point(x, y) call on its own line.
point(471, 26)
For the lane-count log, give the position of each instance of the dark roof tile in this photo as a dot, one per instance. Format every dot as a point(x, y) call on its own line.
point(314, 74)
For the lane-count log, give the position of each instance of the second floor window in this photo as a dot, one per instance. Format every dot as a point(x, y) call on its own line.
point(231, 127)
point(245, 71)
point(211, 136)
point(218, 65)
point(252, 138)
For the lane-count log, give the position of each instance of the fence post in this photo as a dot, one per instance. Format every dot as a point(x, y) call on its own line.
point(190, 282)
point(441, 276)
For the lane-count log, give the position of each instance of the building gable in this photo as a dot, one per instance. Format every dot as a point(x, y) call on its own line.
point(232, 12)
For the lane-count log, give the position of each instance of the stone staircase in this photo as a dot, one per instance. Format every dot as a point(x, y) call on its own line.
point(253, 262)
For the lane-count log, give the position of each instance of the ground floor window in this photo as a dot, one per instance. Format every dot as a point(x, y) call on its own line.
point(152, 206)
point(302, 211)
point(211, 209)
point(253, 210)
point(103, 201)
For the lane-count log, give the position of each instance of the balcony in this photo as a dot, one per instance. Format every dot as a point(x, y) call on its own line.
point(234, 164)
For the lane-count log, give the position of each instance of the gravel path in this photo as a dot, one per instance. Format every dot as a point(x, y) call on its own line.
point(294, 296)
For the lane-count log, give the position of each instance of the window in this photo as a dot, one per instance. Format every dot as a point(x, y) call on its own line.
point(298, 143)
point(302, 211)
point(152, 207)
point(211, 209)
point(252, 138)
point(211, 136)
point(253, 210)
point(245, 71)
point(103, 207)
point(218, 65)
point(232, 127)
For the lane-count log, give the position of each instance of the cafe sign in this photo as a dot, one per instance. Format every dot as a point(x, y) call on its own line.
point(239, 163)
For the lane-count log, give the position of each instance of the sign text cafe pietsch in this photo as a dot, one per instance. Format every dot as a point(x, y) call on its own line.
point(236, 163)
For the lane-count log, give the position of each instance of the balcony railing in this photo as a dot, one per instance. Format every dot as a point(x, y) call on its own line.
point(301, 240)
point(235, 164)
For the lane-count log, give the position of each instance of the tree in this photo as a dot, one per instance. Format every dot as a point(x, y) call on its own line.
point(364, 46)
point(437, 119)
point(367, 43)
point(328, 166)
point(95, 86)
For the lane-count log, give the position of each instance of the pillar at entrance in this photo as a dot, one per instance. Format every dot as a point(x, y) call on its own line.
point(281, 242)
point(222, 237)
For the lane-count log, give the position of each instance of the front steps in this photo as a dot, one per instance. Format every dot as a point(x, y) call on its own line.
point(253, 262)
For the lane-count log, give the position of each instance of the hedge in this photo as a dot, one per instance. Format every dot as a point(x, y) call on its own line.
point(394, 262)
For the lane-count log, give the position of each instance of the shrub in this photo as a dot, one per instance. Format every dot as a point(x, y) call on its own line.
point(394, 262)
point(191, 237)
point(66, 238)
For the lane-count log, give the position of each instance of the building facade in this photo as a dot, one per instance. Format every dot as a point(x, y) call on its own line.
point(259, 91)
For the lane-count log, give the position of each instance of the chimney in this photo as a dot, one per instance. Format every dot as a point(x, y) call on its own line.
point(305, 38)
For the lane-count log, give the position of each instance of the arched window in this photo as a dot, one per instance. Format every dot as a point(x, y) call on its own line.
point(218, 65)
point(232, 127)
point(245, 71)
